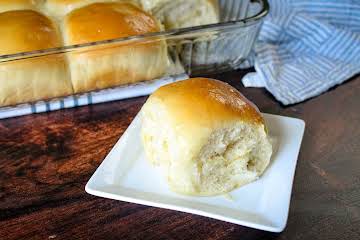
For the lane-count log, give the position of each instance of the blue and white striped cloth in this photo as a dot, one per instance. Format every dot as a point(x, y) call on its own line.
point(306, 47)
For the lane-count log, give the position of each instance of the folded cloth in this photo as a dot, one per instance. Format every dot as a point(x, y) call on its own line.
point(306, 47)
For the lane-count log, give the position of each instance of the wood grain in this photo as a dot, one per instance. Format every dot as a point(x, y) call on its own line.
point(46, 160)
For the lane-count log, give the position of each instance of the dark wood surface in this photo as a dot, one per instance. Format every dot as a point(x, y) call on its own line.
point(46, 160)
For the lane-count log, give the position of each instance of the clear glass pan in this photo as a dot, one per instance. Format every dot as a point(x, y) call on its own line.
point(197, 50)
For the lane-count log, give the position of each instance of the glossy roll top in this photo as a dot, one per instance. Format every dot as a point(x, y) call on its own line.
point(27, 30)
point(103, 21)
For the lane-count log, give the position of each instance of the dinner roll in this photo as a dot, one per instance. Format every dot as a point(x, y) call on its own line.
point(10, 5)
point(119, 63)
point(60, 8)
point(35, 78)
point(184, 13)
point(207, 138)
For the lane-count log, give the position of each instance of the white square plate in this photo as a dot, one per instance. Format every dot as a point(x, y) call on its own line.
point(264, 204)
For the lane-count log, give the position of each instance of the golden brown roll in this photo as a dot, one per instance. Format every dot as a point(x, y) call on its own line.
point(60, 8)
point(36, 78)
point(176, 14)
point(117, 64)
point(207, 138)
point(10, 5)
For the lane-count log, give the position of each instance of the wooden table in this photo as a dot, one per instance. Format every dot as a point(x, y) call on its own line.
point(46, 160)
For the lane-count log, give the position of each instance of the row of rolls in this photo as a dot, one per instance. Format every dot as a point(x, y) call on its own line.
point(30, 25)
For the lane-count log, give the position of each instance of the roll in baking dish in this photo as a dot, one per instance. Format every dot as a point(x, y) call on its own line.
point(120, 64)
point(29, 80)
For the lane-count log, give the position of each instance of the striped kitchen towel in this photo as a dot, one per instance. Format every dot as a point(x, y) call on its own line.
point(306, 47)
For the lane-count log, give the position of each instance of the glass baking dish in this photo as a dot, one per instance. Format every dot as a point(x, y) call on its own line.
point(192, 51)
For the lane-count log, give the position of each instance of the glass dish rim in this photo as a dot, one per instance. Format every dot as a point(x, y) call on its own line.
point(168, 33)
